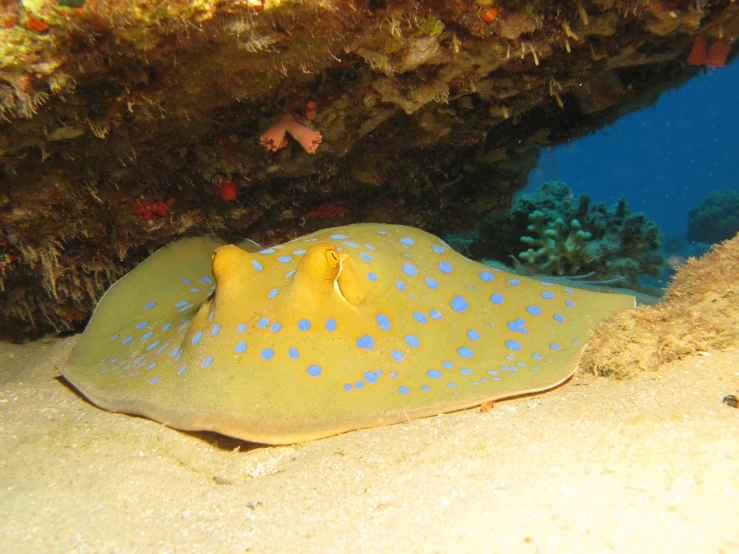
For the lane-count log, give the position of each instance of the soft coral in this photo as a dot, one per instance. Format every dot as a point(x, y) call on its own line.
point(274, 137)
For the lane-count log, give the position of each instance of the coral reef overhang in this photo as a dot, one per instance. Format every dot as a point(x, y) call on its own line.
point(124, 124)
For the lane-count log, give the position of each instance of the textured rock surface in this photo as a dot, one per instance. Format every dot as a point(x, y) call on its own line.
point(124, 124)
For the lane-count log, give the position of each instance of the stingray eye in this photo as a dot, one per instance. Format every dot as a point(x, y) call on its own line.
point(332, 257)
point(212, 258)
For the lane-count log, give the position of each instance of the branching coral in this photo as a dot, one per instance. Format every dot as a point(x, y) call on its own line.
point(607, 242)
point(555, 254)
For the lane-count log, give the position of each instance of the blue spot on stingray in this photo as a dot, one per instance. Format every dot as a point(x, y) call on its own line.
point(205, 279)
point(290, 274)
point(370, 247)
point(548, 295)
point(167, 326)
point(397, 355)
point(273, 293)
point(438, 249)
point(537, 356)
point(155, 380)
point(299, 252)
point(241, 328)
point(533, 310)
point(513, 345)
point(371, 276)
point(487, 276)
point(509, 357)
point(434, 373)
point(257, 265)
point(445, 267)
point(473, 335)
point(575, 341)
point(338, 237)
point(179, 304)
point(570, 304)
point(196, 338)
point(394, 374)
point(147, 335)
point(366, 257)
point(185, 308)
point(150, 305)
point(425, 388)
point(151, 366)
point(465, 371)
point(435, 314)
point(352, 244)
point(267, 251)
point(383, 322)
point(514, 282)
point(275, 327)
point(304, 324)
point(331, 325)
point(359, 385)
point(497, 298)
point(262, 323)
point(447, 365)
point(195, 289)
point(400, 286)
point(138, 360)
point(403, 390)
point(555, 346)
point(517, 326)
point(459, 304)
point(293, 353)
point(207, 361)
point(430, 283)
point(284, 259)
point(366, 342)
point(410, 269)
point(371, 377)
point(314, 370)
point(451, 385)
point(115, 337)
point(211, 315)
point(412, 340)
point(186, 281)
point(521, 364)
point(241, 347)
point(216, 329)
point(153, 345)
point(127, 340)
point(568, 291)
point(348, 387)
point(559, 317)
point(407, 242)
point(465, 352)
point(267, 354)
point(421, 318)
point(381, 233)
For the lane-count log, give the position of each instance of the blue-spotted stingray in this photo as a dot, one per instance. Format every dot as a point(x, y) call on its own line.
point(343, 329)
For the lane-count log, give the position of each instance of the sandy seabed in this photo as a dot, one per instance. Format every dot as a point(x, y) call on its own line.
point(649, 464)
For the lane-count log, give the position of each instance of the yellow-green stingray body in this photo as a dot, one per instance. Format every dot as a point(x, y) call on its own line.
point(343, 329)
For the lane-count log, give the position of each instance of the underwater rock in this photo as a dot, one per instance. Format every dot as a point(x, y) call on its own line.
point(715, 218)
point(699, 312)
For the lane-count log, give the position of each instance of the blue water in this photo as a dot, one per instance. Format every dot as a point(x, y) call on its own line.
point(663, 159)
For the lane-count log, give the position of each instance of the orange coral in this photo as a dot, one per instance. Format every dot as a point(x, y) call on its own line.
point(274, 138)
point(717, 54)
point(697, 54)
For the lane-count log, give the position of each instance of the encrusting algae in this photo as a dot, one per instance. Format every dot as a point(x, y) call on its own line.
point(699, 312)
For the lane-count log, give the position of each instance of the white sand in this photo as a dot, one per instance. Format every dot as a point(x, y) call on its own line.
point(646, 465)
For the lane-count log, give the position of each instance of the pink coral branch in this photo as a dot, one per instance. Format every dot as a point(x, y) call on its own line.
point(274, 137)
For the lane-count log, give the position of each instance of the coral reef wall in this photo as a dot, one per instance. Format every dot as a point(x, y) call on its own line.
point(126, 123)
